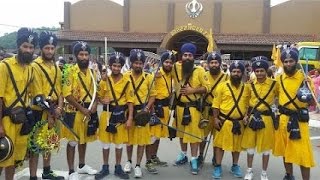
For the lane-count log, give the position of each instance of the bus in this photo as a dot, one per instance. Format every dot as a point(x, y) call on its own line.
point(309, 51)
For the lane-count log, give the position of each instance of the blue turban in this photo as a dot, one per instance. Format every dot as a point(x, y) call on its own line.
point(237, 65)
point(259, 58)
point(137, 55)
point(117, 57)
point(46, 38)
point(168, 55)
point(290, 53)
point(188, 47)
point(26, 35)
point(260, 64)
point(80, 46)
point(214, 56)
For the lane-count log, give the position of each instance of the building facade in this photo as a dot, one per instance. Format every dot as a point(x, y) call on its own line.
point(241, 28)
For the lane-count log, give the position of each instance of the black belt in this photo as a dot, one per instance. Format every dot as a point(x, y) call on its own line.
point(112, 107)
point(163, 102)
point(286, 111)
point(265, 113)
point(84, 104)
point(187, 104)
point(230, 118)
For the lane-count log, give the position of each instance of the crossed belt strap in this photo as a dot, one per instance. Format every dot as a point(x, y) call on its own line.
point(236, 129)
point(18, 94)
point(85, 88)
point(52, 84)
point(136, 89)
point(213, 87)
point(293, 124)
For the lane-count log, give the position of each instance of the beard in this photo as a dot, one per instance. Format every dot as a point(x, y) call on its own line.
point(289, 70)
point(83, 64)
point(167, 69)
point(214, 70)
point(25, 58)
point(187, 68)
point(137, 70)
point(46, 58)
point(235, 80)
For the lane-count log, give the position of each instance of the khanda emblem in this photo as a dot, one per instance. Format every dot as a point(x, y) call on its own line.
point(50, 40)
point(83, 46)
point(194, 8)
point(30, 39)
point(117, 57)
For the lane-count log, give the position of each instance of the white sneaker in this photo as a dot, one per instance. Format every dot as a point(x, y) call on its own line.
point(87, 170)
point(264, 176)
point(249, 175)
point(137, 172)
point(127, 167)
point(74, 176)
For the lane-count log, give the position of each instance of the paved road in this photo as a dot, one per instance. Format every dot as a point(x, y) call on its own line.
point(168, 151)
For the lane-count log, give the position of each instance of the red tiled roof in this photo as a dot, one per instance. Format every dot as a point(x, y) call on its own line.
point(235, 39)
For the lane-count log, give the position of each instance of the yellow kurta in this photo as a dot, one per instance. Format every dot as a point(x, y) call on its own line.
point(122, 133)
point(214, 82)
point(298, 151)
point(44, 82)
point(74, 87)
point(223, 101)
point(141, 135)
point(198, 79)
point(163, 86)
point(262, 139)
point(22, 75)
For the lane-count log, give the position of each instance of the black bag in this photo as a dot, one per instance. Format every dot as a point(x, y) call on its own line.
point(303, 115)
point(159, 110)
point(142, 118)
point(112, 129)
point(28, 125)
point(69, 118)
point(275, 119)
point(18, 115)
point(93, 124)
point(186, 118)
point(118, 115)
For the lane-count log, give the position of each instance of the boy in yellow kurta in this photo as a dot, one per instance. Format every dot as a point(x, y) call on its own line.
point(292, 139)
point(50, 79)
point(190, 83)
point(259, 132)
point(117, 93)
point(216, 76)
point(163, 86)
point(141, 83)
point(18, 80)
point(229, 107)
point(78, 89)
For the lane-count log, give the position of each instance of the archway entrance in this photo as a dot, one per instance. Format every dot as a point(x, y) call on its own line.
point(187, 34)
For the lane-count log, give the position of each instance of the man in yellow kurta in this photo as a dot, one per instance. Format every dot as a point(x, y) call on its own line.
point(18, 80)
point(78, 89)
point(141, 83)
point(292, 139)
point(216, 76)
point(229, 107)
point(259, 133)
point(50, 79)
point(163, 86)
point(191, 83)
point(117, 93)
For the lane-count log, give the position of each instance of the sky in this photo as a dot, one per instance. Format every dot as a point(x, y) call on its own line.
point(39, 13)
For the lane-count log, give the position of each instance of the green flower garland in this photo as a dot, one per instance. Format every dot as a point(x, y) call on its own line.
point(43, 140)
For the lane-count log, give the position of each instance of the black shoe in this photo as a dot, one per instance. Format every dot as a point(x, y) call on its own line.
point(288, 177)
point(52, 175)
point(103, 173)
point(120, 173)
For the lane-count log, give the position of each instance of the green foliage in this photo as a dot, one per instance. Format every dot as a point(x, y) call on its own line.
point(8, 40)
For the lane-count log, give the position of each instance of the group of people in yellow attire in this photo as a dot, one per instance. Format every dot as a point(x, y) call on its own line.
point(240, 114)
